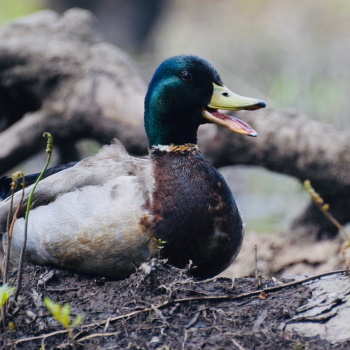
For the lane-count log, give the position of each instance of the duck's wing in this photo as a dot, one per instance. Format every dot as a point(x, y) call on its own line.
point(5, 181)
point(88, 217)
point(112, 161)
point(52, 187)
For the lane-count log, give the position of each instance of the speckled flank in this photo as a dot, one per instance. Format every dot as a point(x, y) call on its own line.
point(196, 212)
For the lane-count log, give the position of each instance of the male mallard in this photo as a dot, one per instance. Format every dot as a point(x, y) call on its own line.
point(108, 213)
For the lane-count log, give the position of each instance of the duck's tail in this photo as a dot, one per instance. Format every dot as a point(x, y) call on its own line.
point(5, 184)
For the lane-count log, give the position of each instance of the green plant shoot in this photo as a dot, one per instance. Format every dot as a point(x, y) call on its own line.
point(48, 150)
point(160, 242)
point(5, 292)
point(62, 314)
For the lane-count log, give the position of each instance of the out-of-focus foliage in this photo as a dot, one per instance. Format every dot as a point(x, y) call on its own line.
point(296, 54)
point(292, 54)
point(10, 9)
point(269, 202)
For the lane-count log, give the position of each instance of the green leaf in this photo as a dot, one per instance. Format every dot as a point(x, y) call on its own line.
point(159, 240)
point(54, 308)
point(5, 292)
point(65, 315)
point(62, 313)
point(77, 320)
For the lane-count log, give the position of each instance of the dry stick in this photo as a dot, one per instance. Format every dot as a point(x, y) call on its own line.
point(5, 307)
point(3, 316)
point(5, 269)
point(237, 344)
point(324, 208)
point(318, 200)
point(44, 336)
point(256, 261)
point(257, 275)
point(257, 292)
point(166, 303)
point(9, 231)
point(336, 223)
point(94, 335)
point(7, 250)
point(6, 260)
point(29, 203)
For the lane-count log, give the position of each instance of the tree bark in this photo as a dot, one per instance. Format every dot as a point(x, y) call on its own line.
point(57, 75)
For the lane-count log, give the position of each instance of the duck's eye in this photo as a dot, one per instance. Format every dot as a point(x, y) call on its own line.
point(225, 94)
point(186, 76)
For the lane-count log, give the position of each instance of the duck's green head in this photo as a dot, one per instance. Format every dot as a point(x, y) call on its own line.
point(185, 92)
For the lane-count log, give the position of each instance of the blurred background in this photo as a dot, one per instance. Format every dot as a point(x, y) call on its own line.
point(292, 55)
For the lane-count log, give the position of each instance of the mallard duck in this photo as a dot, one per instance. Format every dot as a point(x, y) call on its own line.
point(109, 213)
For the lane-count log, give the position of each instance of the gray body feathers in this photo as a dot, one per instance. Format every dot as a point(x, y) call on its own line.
point(73, 225)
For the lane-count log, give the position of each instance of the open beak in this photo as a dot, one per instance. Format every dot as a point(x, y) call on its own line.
point(223, 98)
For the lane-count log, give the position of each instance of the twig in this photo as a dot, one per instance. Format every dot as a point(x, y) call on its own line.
point(43, 336)
point(185, 339)
point(3, 318)
point(166, 303)
point(258, 276)
point(257, 292)
point(237, 344)
point(6, 258)
point(94, 335)
point(256, 261)
point(61, 290)
point(193, 320)
point(9, 227)
point(129, 315)
point(324, 207)
point(29, 203)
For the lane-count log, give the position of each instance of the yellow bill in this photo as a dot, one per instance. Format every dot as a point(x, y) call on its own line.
point(223, 98)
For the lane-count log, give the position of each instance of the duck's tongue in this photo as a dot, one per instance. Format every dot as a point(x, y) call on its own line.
point(229, 122)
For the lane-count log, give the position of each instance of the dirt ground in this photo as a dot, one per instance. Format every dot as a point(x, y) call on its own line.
point(280, 254)
point(158, 307)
